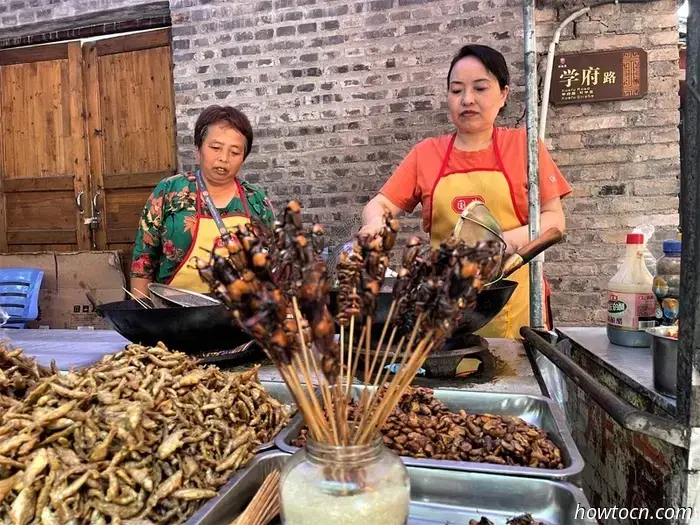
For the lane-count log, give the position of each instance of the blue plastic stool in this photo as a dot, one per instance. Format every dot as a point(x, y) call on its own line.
point(19, 294)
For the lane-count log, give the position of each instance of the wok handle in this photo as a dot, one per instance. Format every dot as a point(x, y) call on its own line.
point(531, 250)
point(94, 304)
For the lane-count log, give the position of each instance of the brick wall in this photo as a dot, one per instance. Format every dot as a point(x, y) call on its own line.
point(624, 469)
point(339, 91)
point(621, 158)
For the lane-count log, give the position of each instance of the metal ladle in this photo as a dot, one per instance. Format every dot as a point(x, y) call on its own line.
point(477, 224)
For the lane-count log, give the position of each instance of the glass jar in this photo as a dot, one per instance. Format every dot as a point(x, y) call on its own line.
point(359, 484)
point(667, 282)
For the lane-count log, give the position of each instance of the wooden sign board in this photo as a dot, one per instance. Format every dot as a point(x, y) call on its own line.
point(599, 76)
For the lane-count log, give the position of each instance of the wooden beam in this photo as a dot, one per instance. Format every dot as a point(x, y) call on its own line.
point(41, 236)
point(135, 42)
point(60, 183)
point(33, 54)
point(118, 181)
point(84, 25)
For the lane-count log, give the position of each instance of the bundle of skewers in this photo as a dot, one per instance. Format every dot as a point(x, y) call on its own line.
point(277, 289)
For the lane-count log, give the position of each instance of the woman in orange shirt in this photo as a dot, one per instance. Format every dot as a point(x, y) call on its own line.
point(479, 161)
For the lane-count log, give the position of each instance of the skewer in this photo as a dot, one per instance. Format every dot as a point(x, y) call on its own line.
point(136, 299)
point(265, 505)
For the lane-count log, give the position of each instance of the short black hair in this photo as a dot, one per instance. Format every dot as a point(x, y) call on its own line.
point(494, 62)
point(232, 116)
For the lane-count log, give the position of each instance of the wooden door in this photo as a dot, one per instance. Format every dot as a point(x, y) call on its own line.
point(131, 123)
point(43, 149)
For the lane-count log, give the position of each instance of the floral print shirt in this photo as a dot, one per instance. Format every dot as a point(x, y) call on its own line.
point(169, 220)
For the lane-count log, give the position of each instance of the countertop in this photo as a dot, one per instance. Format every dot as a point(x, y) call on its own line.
point(632, 366)
point(83, 347)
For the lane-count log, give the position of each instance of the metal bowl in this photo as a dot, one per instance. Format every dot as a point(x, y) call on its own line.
point(665, 357)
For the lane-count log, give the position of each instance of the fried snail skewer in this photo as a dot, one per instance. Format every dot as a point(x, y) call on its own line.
point(279, 293)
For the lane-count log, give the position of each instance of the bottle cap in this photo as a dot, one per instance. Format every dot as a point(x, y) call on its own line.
point(635, 238)
point(672, 246)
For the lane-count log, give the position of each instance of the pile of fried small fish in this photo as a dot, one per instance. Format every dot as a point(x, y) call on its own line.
point(145, 434)
point(18, 374)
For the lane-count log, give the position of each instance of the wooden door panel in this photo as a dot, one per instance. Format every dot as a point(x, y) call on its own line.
point(43, 164)
point(137, 115)
point(27, 209)
point(131, 119)
point(123, 211)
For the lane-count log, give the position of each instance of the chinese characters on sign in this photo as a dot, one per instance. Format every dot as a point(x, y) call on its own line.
point(599, 76)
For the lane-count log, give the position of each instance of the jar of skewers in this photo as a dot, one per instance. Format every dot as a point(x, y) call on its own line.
point(345, 474)
point(365, 484)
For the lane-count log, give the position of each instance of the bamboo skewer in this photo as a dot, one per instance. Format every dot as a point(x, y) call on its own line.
point(265, 505)
point(325, 392)
point(144, 305)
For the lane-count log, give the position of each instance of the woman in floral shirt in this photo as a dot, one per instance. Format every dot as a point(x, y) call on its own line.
point(176, 220)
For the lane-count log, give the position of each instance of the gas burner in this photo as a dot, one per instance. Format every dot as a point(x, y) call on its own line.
point(230, 357)
point(460, 358)
point(463, 359)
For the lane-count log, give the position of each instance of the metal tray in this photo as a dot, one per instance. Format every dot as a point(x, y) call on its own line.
point(278, 390)
point(536, 410)
point(438, 497)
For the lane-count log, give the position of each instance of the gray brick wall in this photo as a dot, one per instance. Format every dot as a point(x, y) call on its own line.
point(339, 91)
point(621, 158)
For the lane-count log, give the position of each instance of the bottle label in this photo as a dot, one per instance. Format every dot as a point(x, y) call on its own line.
point(631, 311)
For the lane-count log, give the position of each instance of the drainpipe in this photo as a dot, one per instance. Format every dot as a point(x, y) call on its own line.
point(550, 66)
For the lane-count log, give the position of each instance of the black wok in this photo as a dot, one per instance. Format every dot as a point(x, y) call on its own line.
point(204, 328)
point(489, 303)
point(193, 329)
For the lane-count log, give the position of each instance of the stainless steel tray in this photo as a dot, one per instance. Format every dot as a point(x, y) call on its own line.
point(536, 410)
point(438, 497)
point(278, 390)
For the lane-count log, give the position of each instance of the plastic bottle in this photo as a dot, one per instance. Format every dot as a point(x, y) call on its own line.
point(648, 231)
point(631, 301)
point(667, 283)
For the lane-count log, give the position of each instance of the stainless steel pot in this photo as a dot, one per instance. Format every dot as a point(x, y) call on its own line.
point(665, 357)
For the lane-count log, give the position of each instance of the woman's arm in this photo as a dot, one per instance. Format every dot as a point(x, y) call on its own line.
point(373, 214)
point(551, 216)
point(148, 246)
point(140, 284)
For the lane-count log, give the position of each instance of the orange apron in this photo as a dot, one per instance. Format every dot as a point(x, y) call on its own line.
point(451, 193)
point(207, 234)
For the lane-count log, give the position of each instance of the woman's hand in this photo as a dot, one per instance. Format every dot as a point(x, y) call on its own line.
point(551, 216)
point(373, 227)
point(512, 239)
point(373, 214)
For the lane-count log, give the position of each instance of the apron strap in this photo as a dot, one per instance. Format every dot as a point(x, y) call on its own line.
point(446, 158)
point(209, 202)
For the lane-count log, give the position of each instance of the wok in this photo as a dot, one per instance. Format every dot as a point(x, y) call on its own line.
point(489, 303)
point(204, 328)
point(193, 329)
